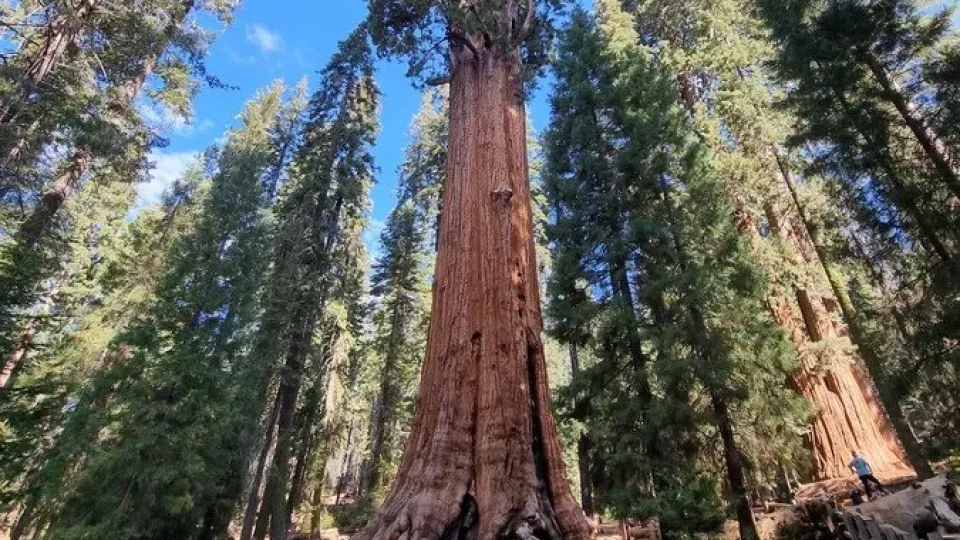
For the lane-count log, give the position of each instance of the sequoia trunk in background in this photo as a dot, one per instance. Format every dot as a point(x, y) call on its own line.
point(848, 413)
point(484, 456)
point(886, 389)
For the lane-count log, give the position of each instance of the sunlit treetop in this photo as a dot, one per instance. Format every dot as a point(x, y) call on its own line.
point(426, 32)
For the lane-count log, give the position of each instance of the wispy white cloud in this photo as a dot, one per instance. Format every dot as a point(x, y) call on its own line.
point(264, 39)
point(167, 169)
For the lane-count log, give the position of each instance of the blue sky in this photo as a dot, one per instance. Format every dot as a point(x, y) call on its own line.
point(288, 40)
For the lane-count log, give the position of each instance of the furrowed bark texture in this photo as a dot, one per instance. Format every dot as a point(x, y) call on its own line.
point(887, 392)
point(484, 458)
point(849, 415)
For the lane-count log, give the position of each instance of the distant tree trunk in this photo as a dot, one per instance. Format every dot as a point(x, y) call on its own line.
point(902, 195)
point(887, 392)
point(263, 516)
point(381, 436)
point(39, 222)
point(848, 414)
point(733, 460)
point(583, 446)
point(14, 362)
point(936, 151)
point(484, 456)
point(304, 455)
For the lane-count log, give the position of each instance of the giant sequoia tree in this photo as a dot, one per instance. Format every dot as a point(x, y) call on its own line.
point(484, 457)
point(859, 76)
point(716, 50)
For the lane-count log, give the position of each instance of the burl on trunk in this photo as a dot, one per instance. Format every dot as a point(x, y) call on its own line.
point(483, 459)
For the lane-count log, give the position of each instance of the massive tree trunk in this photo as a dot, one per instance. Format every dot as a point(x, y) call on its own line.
point(887, 389)
point(484, 458)
point(848, 413)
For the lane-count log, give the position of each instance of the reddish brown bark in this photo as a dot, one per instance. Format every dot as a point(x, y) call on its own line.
point(888, 393)
point(848, 414)
point(484, 456)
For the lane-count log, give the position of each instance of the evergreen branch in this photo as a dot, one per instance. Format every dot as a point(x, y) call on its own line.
point(529, 19)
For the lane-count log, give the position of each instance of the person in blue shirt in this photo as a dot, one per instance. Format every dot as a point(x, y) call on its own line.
point(862, 469)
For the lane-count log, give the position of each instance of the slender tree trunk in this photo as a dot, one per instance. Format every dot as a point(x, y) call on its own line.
point(936, 151)
point(902, 195)
point(12, 154)
point(12, 366)
point(263, 517)
point(59, 33)
point(887, 393)
point(304, 455)
point(25, 520)
point(40, 221)
point(583, 446)
point(733, 460)
point(10, 370)
point(484, 456)
point(253, 498)
point(381, 430)
point(723, 419)
point(620, 284)
point(275, 498)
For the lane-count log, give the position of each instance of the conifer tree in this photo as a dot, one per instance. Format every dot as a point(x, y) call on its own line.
point(639, 184)
point(484, 455)
point(858, 74)
point(717, 52)
point(166, 468)
point(96, 122)
point(326, 197)
point(53, 413)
